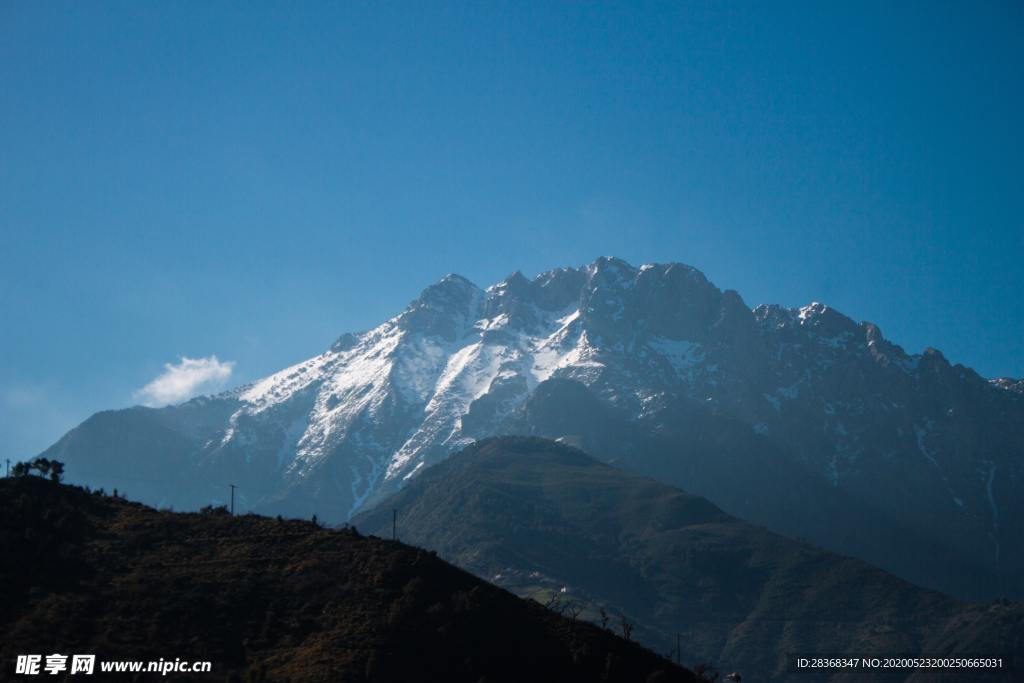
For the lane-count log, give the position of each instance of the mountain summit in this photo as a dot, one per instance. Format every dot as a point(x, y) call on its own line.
point(800, 419)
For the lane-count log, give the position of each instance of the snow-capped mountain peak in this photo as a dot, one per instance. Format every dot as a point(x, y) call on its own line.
point(656, 349)
point(381, 404)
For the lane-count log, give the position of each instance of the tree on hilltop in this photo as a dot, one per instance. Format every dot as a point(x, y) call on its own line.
point(51, 469)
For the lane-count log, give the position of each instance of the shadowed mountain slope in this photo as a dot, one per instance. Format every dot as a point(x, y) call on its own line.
point(535, 516)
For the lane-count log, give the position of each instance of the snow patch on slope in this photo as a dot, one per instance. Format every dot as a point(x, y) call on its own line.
point(681, 354)
point(282, 385)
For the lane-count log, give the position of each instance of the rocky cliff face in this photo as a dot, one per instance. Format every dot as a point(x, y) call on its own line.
point(801, 419)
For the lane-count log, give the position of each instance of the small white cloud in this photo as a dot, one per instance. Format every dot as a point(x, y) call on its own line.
point(180, 382)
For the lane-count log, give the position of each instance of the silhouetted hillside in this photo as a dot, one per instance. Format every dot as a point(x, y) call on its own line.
point(271, 600)
point(534, 515)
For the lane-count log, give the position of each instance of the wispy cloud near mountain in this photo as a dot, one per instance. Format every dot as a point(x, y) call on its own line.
point(181, 381)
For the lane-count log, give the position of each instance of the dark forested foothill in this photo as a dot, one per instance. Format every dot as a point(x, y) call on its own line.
point(272, 600)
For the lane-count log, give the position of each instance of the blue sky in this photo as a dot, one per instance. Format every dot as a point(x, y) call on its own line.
point(250, 180)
